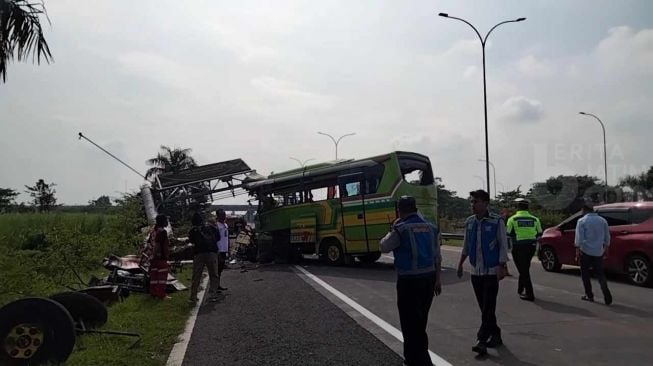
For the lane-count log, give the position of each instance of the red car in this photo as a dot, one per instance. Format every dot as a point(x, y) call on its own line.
point(631, 243)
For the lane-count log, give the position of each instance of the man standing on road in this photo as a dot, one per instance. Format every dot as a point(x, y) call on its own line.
point(486, 245)
point(524, 229)
point(222, 243)
point(203, 238)
point(415, 244)
point(592, 239)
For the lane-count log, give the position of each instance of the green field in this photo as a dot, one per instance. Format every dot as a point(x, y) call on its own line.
point(39, 251)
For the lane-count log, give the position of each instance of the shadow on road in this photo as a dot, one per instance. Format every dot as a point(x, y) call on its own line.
point(612, 277)
point(562, 308)
point(627, 310)
point(505, 357)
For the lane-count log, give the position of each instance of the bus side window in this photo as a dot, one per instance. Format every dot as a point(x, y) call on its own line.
point(373, 177)
point(352, 189)
point(332, 192)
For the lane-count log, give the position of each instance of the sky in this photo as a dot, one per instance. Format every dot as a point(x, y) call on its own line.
point(258, 79)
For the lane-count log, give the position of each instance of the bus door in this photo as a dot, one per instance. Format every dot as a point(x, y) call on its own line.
point(352, 201)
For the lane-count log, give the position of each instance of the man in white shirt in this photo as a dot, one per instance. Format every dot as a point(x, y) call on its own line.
point(223, 243)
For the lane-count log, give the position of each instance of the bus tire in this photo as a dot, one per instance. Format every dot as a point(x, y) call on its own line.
point(83, 308)
point(35, 331)
point(332, 253)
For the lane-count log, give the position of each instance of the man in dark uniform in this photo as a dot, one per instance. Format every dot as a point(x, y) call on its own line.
point(415, 244)
point(524, 229)
point(485, 244)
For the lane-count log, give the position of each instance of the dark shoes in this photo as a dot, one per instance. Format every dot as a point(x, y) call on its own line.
point(527, 298)
point(608, 298)
point(480, 348)
point(494, 342)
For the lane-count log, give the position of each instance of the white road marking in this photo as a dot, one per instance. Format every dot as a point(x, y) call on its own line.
point(178, 352)
point(437, 360)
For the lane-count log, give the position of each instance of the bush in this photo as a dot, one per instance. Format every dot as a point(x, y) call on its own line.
point(40, 250)
point(549, 218)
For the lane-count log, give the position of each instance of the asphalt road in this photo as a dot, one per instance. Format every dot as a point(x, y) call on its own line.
point(270, 316)
point(557, 329)
point(280, 316)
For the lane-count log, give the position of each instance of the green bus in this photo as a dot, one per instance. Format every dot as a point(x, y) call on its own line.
point(341, 209)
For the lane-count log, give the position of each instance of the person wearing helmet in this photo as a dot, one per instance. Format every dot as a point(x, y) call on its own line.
point(524, 229)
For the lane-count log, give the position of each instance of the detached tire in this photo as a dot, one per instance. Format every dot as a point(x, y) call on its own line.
point(35, 331)
point(83, 308)
point(549, 259)
point(332, 253)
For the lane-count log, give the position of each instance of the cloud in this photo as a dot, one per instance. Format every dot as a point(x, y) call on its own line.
point(520, 109)
point(533, 67)
point(470, 72)
point(465, 48)
point(627, 50)
point(155, 67)
point(282, 91)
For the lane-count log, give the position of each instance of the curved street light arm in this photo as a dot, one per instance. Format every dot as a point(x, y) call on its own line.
point(469, 24)
point(605, 153)
point(297, 160)
point(329, 136)
point(343, 136)
point(504, 22)
point(597, 118)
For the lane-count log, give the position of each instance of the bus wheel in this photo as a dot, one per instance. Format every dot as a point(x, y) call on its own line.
point(369, 258)
point(35, 331)
point(83, 308)
point(332, 253)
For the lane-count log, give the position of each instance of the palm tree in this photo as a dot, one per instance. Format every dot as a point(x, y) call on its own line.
point(169, 160)
point(21, 32)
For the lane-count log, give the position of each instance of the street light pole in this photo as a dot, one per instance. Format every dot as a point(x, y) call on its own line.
point(301, 163)
point(494, 176)
point(605, 154)
point(336, 142)
point(483, 42)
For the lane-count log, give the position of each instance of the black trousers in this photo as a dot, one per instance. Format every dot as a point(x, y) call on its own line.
point(486, 289)
point(523, 254)
point(587, 264)
point(414, 298)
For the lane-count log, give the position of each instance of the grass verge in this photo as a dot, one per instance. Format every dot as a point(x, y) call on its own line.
point(453, 242)
point(159, 322)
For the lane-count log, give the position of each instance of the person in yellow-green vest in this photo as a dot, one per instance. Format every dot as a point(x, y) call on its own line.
point(524, 229)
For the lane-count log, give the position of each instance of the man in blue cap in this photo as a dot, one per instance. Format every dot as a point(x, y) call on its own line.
point(415, 244)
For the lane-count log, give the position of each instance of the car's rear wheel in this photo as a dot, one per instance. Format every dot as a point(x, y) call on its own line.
point(549, 259)
point(638, 268)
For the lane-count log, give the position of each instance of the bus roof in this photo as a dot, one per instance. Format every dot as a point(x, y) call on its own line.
point(322, 169)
